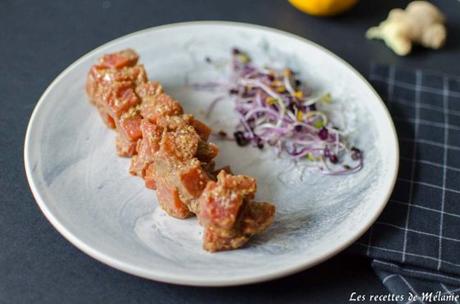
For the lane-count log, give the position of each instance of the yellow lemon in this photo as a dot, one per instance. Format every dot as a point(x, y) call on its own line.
point(323, 7)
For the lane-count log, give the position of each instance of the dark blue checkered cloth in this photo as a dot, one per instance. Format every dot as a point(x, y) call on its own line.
point(415, 244)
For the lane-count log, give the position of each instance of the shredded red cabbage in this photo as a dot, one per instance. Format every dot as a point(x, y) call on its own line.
point(274, 109)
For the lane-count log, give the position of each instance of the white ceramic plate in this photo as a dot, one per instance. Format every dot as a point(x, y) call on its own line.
point(85, 190)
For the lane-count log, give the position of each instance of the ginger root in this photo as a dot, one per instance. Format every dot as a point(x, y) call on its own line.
point(421, 22)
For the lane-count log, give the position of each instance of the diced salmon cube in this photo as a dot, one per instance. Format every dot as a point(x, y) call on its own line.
point(120, 59)
point(135, 74)
point(220, 212)
point(130, 127)
point(181, 144)
point(193, 180)
point(146, 148)
point(254, 218)
point(244, 185)
point(125, 148)
point(154, 107)
point(120, 98)
point(152, 135)
point(169, 199)
point(215, 239)
point(221, 201)
point(93, 83)
point(150, 88)
point(257, 217)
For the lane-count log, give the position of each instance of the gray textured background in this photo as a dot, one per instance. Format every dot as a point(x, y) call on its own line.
point(38, 39)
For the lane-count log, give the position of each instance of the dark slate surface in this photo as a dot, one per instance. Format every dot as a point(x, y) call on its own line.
point(38, 39)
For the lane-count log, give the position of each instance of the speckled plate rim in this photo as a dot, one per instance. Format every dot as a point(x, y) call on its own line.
point(175, 277)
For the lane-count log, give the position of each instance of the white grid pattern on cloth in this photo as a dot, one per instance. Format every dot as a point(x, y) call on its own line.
point(427, 257)
point(444, 171)
point(418, 84)
point(410, 86)
point(430, 142)
point(428, 185)
point(426, 123)
point(389, 85)
point(423, 207)
point(426, 106)
point(433, 164)
point(417, 231)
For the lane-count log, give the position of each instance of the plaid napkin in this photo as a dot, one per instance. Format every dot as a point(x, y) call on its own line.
point(415, 244)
